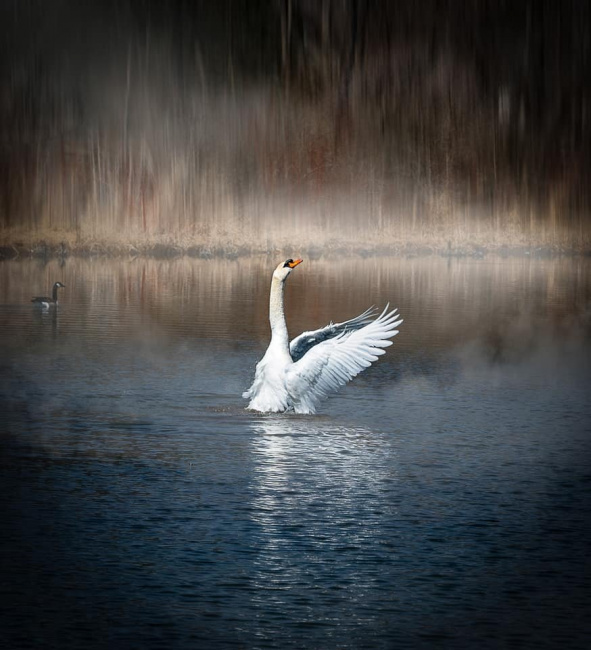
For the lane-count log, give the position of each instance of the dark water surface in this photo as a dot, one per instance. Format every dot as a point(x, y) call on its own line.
point(442, 500)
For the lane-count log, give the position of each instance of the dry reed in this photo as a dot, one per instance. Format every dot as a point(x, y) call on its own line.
point(366, 141)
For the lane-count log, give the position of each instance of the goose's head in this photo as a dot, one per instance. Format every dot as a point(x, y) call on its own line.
point(284, 269)
point(59, 285)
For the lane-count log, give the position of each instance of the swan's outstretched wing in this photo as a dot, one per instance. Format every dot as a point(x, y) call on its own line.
point(332, 363)
point(307, 340)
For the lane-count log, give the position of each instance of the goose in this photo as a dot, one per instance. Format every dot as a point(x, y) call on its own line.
point(44, 302)
point(297, 376)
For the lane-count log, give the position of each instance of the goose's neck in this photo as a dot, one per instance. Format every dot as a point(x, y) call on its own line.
point(54, 296)
point(279, 334)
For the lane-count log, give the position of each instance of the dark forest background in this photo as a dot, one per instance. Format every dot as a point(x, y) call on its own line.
point(256, 125)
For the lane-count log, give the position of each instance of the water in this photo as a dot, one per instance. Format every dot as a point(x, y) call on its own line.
point(441, 500)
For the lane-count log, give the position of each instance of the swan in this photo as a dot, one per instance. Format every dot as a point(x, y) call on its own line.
point(44, 302)
point(297, 376)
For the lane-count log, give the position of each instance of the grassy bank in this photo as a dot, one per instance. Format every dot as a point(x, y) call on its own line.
point(62, 247)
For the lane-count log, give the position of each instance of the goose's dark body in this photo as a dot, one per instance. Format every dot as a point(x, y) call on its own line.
point(44, 301)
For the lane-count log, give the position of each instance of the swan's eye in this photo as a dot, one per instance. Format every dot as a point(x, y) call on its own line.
point(288, 263)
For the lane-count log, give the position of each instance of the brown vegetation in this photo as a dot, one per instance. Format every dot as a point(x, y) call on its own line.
point(326, 127)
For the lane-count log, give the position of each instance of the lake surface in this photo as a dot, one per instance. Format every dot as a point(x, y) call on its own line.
point(441, 500)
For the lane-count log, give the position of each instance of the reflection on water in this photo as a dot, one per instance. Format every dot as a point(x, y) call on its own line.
point(316, 494)
point(441, 499)
point(312, 467)
point(447, 300)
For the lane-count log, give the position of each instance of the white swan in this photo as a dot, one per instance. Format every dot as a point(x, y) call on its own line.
point(296, 376)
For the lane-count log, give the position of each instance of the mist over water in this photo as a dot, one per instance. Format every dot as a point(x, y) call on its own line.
point(442, 498)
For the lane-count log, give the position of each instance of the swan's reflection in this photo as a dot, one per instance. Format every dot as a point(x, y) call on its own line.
point(287, 449)
point(321, 491)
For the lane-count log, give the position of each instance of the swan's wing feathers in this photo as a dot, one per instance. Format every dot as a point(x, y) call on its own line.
point(332, 363)
point(307, 340)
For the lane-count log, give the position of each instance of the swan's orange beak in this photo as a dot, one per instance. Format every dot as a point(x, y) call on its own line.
point(293, 264)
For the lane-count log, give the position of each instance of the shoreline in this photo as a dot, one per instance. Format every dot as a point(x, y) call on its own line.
point(44, 250)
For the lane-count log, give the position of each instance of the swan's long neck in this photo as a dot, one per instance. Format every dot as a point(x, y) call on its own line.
point(279, 336)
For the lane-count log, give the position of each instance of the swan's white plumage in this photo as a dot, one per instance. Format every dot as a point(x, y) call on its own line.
point(298, 376)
